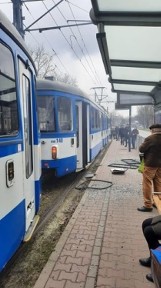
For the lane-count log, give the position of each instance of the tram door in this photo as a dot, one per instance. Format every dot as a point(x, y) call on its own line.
point(28, 165)
point(82, 127)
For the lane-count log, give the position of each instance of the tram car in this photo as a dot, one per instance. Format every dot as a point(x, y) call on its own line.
point(73, 129)
point(20, 165)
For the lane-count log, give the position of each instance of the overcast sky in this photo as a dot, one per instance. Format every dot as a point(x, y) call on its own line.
point(75, 49)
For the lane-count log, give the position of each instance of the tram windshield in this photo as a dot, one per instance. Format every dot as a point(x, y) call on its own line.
point(8, 99)
point(46, 113)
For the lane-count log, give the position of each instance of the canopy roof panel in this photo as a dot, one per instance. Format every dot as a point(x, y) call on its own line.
point(134, 99)
point(134, 43)
point(129, 5)
point(135, 88)
point(129, 39)
point(128, 73)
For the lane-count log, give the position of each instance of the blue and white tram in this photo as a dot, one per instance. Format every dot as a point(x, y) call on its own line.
point(73, 128)
point(20, 164)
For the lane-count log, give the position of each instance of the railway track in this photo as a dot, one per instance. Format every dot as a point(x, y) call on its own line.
point(59, 200)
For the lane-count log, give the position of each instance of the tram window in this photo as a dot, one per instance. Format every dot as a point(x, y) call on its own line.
point(64, 114)
point(27, 126)
point(98, 119)
point(95, 119)
point(92, 118)
point(8, 98)
point(46, 113)
point(77, 125)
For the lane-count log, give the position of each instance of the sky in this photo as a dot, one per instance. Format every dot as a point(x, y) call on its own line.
point(75, 50)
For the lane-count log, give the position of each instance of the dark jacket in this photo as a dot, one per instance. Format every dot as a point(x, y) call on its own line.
point(134, 132)
point(151, 147)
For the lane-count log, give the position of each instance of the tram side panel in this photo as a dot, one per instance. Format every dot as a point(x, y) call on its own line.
point(105, 129)
point(12, 212)
point(17, 205)
point(84, 135)
point(96, 138)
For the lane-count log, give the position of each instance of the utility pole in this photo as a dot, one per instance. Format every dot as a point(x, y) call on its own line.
point(129, 142)
point(17, 16)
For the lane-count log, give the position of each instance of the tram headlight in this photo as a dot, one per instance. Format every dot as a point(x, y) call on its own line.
point(54, 152)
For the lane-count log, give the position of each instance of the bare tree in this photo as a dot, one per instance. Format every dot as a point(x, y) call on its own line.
point(43, 62)
point(46, 68)
point(118, 120)
point(145, 115)
point(66, 78)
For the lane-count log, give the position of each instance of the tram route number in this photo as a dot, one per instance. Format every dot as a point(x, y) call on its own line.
point(57, 140)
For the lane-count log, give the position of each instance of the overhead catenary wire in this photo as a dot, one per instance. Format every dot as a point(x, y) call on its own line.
point(48, 11)
point(63, 36)
point(26, 27)
point(50, 45)
point(83, 49)
point(95, 73)
point(71, 47)
point(77, 6)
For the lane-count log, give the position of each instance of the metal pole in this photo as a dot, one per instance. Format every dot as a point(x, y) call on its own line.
point(129, 142)
point(17, 16)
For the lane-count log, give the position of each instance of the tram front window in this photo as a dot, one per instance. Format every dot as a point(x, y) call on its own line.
point(46, 113)
point(8, 99)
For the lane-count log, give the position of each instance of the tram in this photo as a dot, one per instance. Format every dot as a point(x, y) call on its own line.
point(19, 143)
point(73, 128)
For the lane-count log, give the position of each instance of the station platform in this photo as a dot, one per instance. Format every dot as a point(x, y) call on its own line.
point(103, 240)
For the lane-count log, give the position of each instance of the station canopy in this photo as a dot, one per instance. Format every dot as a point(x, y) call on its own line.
point(129, 39)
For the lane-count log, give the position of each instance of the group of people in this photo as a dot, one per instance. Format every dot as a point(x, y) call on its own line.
point(151, 227)
point(125, 135)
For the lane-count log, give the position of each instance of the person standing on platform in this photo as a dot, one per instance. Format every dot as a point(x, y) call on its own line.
point(134, 134)
point(117, 132)
point(151, 148)
point(126, 135)
point(122, 134)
